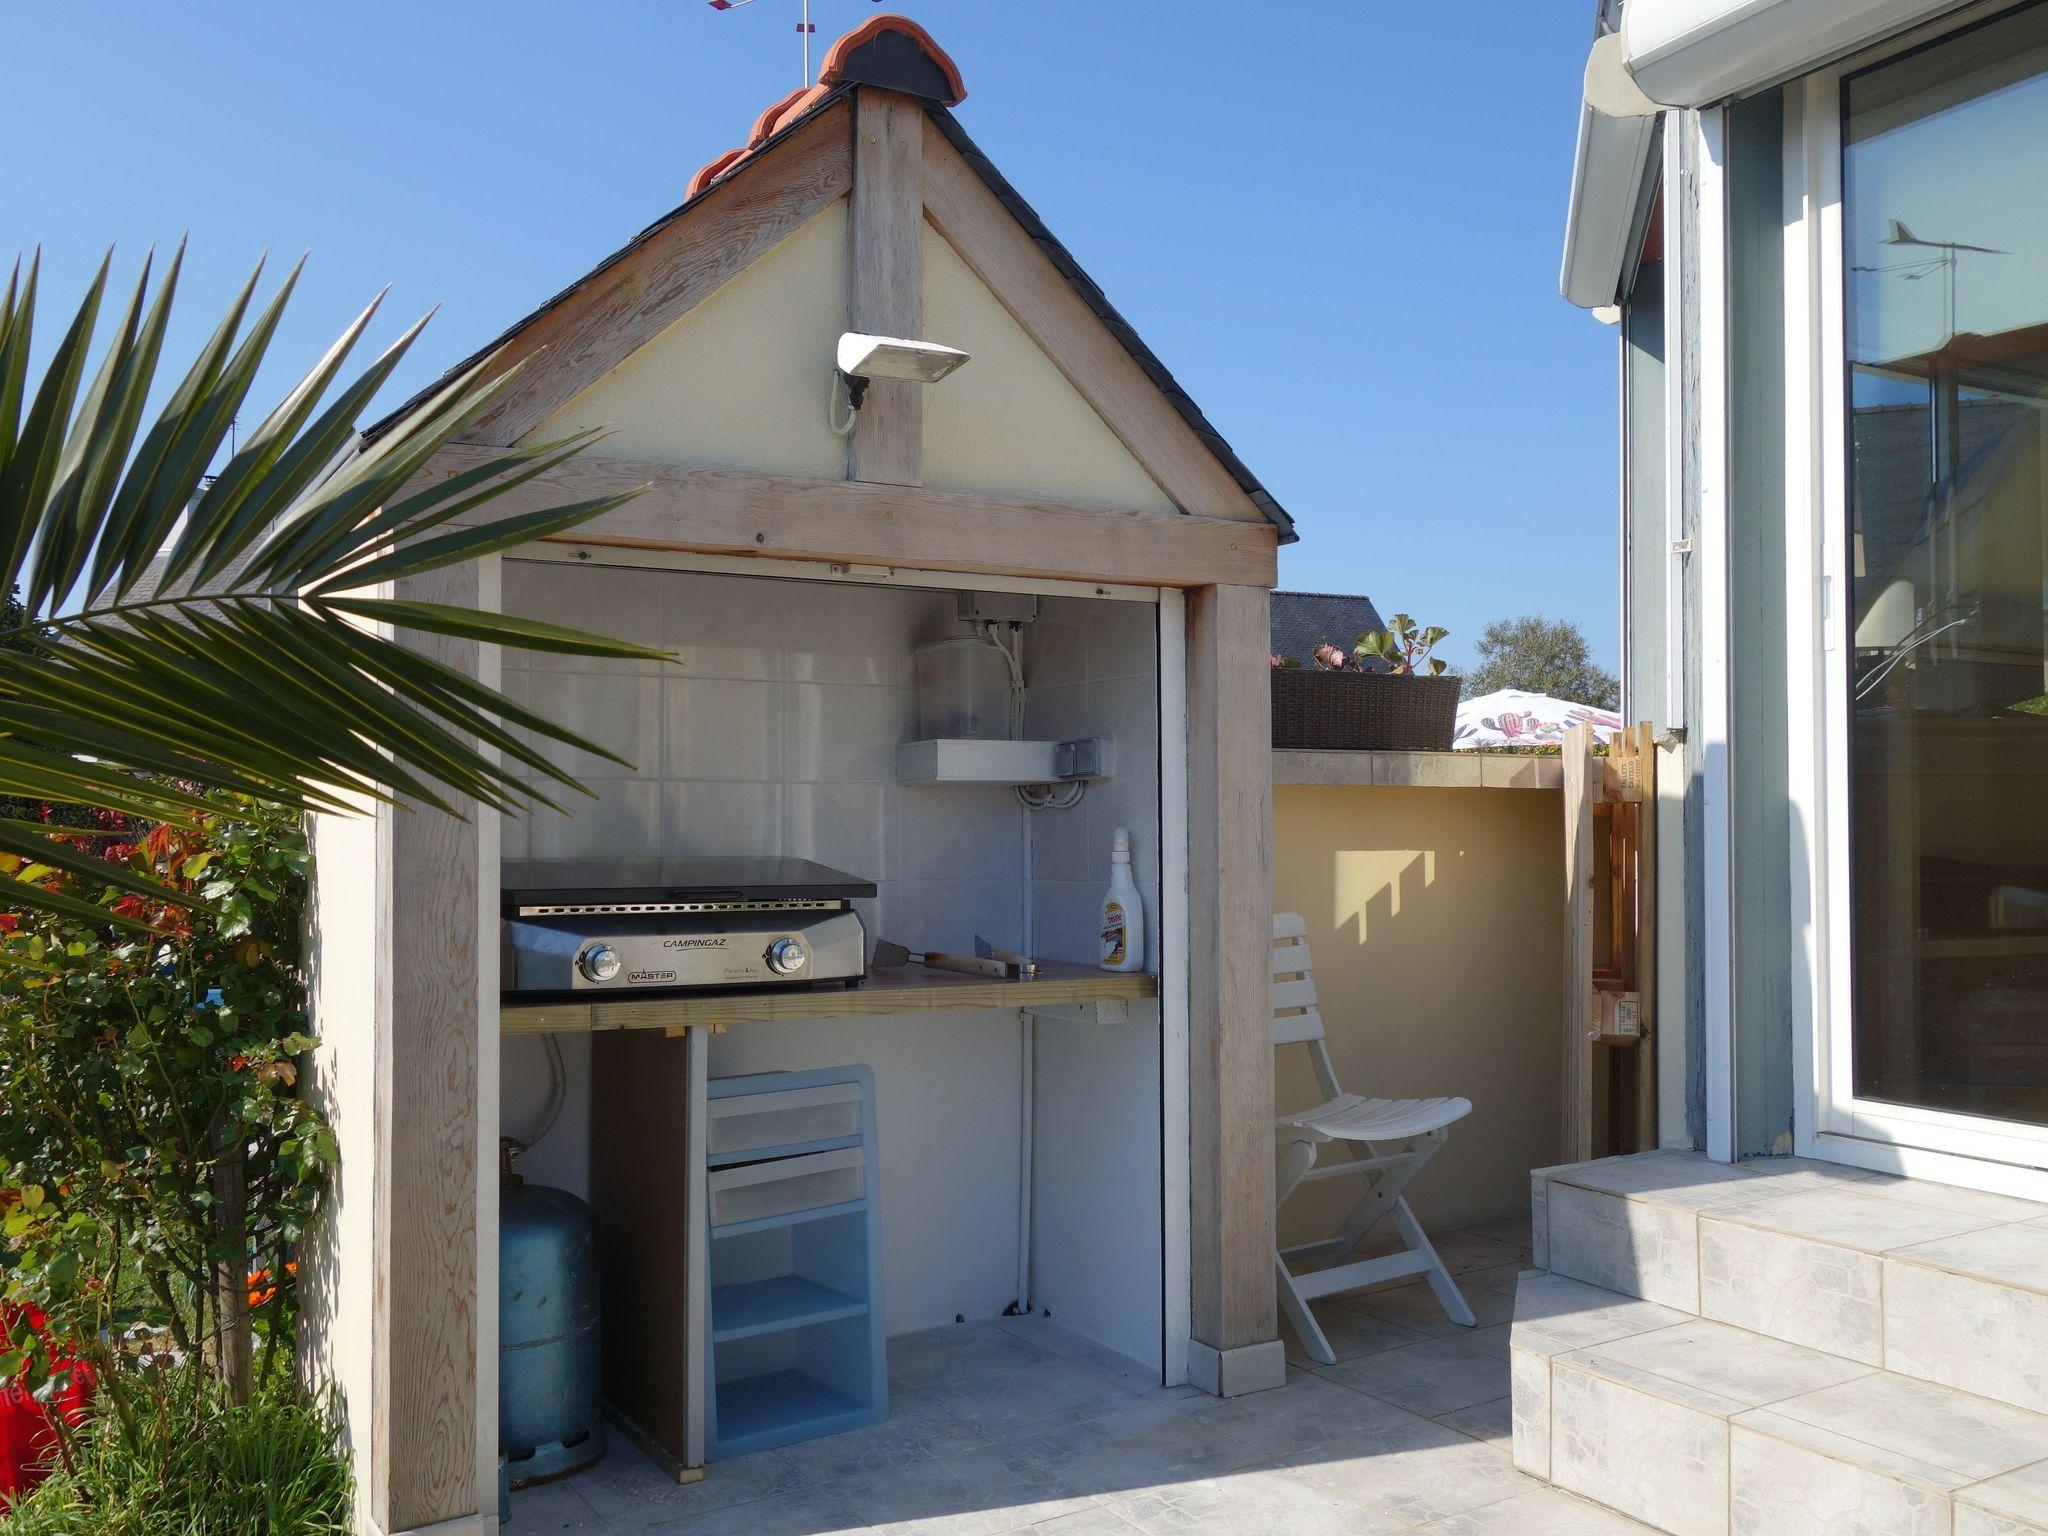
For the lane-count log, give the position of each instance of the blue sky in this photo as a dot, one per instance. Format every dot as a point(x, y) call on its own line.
point(1338, 223)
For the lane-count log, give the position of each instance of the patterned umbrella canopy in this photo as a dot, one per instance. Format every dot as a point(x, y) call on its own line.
point(1514, 718)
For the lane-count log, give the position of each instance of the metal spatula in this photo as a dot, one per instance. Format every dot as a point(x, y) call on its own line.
point(888, 955)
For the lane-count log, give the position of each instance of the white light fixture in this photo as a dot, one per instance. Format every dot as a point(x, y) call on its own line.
point(862, 359)
point(891, 357)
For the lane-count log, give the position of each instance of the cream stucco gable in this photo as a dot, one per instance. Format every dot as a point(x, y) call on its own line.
point(1009, 423)
point(740, 381)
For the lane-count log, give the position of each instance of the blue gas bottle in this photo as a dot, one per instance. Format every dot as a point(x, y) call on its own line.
point(550, 1373)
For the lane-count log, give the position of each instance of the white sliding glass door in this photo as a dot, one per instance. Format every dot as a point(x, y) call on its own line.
point(1919, 229)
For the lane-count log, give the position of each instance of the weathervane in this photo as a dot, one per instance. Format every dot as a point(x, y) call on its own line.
point(803, 27)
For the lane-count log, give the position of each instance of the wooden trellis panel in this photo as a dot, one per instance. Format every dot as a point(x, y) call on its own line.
point(1610, 999)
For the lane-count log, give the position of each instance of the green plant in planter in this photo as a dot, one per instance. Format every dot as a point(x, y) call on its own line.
point(157, 1166)
point(1403, 647)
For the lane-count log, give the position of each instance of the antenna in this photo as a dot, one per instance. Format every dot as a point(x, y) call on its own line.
point(805, 30)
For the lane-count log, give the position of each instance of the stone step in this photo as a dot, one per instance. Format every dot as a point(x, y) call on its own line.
point(1928, 1280)
point(1700, 1428)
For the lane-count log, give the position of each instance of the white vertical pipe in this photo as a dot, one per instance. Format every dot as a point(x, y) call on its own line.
point(1176, 1261)
point(1027, 1031)
point(1715, 704)
point(1675, 187)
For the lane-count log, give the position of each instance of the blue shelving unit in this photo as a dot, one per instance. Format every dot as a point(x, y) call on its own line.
point(797, 1341)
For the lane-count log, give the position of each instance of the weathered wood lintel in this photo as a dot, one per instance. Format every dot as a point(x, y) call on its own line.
point(737, 512)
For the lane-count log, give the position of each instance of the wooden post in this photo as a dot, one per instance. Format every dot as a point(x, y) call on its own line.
point(424, 1462)
point(1581, 780)
point(888, 277)
point(1230, 935)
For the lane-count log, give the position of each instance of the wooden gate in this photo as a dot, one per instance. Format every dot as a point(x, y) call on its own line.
point(1610, 1057)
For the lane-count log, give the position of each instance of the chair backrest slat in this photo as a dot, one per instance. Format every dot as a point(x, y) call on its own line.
point(1296, 1020)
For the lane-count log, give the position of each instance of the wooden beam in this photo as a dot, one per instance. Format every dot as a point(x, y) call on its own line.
point(990, 240)
point(426, 1315)
point(1230, 940)
point(886, 277)
point(594, 328)
point(736, 512)
point(1581, 778)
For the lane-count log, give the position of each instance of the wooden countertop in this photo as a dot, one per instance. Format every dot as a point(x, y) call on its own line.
point(902, 989)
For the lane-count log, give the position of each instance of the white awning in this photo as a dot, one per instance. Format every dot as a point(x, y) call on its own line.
point(1689, 53)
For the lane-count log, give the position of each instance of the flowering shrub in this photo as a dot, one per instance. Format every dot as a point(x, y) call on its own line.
point(156, 1165)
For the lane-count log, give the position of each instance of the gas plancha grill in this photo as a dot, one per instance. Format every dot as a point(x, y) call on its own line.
point(583, 926)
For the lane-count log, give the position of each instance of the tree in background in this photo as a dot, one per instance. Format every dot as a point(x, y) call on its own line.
point(1541, 655)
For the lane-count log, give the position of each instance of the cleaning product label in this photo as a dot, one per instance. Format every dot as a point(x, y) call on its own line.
point(1112, 933)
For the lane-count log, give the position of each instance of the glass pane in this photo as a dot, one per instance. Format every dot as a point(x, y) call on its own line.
point(1946, 243)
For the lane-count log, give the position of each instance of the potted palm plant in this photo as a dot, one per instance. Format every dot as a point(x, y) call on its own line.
point(1386, 694)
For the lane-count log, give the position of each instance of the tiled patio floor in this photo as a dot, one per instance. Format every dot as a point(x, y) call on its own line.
point(1020, 1425)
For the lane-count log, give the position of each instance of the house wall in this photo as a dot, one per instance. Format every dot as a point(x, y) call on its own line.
point(1436, 926)
point(775, 731)
point(1765, 840)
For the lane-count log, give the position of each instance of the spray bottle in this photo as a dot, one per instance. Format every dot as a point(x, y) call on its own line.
point(1123, 914)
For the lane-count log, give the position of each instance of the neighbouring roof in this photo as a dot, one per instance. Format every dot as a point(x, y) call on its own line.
point(1301, 621)
point(894, 53)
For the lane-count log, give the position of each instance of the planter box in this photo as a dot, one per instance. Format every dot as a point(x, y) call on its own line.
point(1363, 711)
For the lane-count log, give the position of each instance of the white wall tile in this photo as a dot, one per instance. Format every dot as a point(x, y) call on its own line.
point(948, 914)
point(842, 634)
point(1061, 848)
point(613, 601)
point(845, 826)
point(1056, 643)
point(625, 821)
point(714, 819)
point(1123, 638)
point(722, 729)
point(959, 831)
point(621, 711)
point(724, 626)
point(844, 733)
point(1056, 712)
point(1066, 920)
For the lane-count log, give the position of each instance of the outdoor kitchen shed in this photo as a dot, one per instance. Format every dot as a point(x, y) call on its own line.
point(1096, 1143)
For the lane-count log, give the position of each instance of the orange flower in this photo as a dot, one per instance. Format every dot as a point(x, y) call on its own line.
point(238, 1064)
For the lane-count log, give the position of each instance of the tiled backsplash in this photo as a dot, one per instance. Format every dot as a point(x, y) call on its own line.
point(776, 732)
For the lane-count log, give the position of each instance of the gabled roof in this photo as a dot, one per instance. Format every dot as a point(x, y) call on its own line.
point(894, 53)
point(1301, 621)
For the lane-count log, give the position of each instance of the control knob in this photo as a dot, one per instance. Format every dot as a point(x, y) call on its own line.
point(600, 962)
point(786, 957)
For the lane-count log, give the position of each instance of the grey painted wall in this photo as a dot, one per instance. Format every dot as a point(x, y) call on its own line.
point(1758, 759)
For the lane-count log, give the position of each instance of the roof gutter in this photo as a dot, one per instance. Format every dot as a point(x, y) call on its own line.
point(1659, 55)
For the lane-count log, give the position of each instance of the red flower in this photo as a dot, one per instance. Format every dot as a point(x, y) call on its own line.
point(9, 921)
point(131, 906)
point(239, 1064)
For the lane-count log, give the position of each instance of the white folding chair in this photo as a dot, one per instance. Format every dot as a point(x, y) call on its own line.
point(1384, 1141)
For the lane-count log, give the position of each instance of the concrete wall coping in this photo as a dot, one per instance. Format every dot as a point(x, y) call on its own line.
point(1417, 770)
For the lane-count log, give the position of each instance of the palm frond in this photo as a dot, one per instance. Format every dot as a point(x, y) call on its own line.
point(186, 633)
